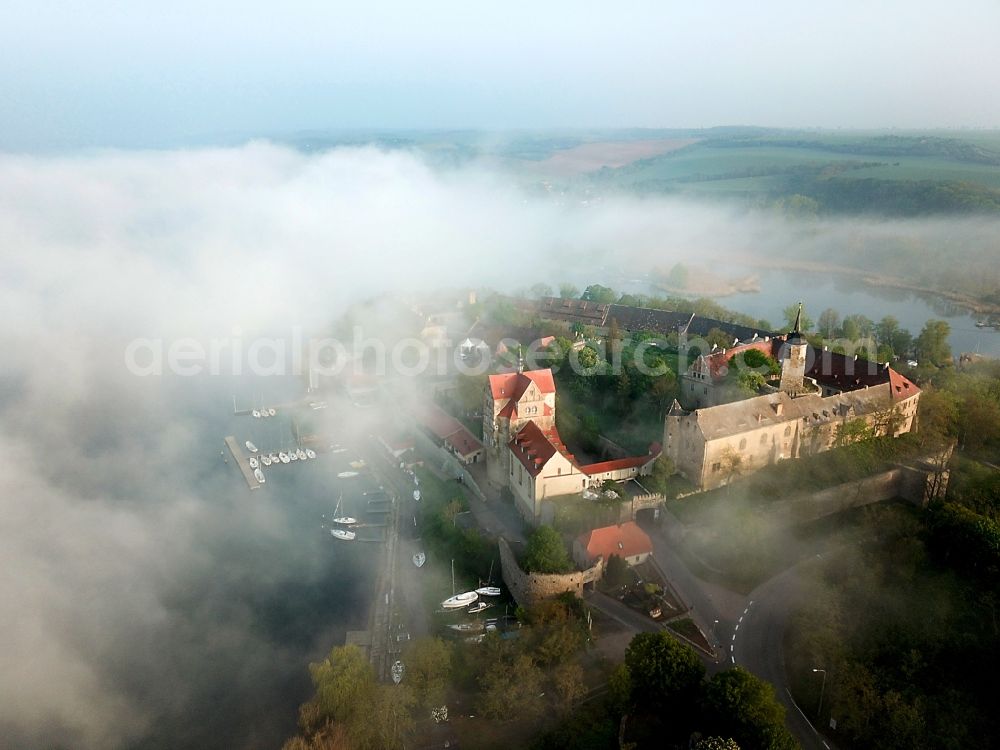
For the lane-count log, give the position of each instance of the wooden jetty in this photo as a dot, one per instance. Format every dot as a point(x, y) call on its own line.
point(241, 460)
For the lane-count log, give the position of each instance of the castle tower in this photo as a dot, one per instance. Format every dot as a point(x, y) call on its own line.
point(793, 358)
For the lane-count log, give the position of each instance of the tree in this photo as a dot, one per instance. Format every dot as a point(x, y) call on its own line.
point(742, 706)
point(858, 327)
point(568, 291)
point(887, 329)
point(663, 673)
point(616, 573)
point(678, 276)
point(663, 469)
point(567, 679)
point(511, 690)
point(470, 392)
point(540, 290)
point(829, 320)
point(716, 743)
point(598, 293)
point(932, 343)
point(345, 686)
point(789, 314)
point(546, 553)
point(662, 390)
point(732, 463)
point(428, 667)
point(719, 338)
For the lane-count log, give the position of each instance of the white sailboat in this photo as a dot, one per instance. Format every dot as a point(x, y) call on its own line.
point(283, 457)
point(347, 474)
point(259, 476)
point(253, 463)
point(416, 495)
point(255, 414)
point(310, 453)
point(419, 559)
point(274, 457)
point(343, 534)
point(343, 520)
point(488, 591)
point(266, 460)
point(359, 464)
point(468, 627)
point(301, 454)
point(397, 671)
point(478, 607)
point(458, 601)
point(251, 447)
point(271, 412)
point(293, 456)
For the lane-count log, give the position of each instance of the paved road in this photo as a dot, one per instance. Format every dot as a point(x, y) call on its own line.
point(708, 602)
point(622, 613)
point(758, 646)
point(749, 630)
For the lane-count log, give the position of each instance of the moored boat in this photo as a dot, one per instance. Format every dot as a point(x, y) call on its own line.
point(343, 534)
point(283, 457)
point(460, 600)
point(468, 627)
point(310, 453)
point(347, 474)
point(253, 463)
point(419, 559)
point(397, 671)
point(251, 447)
point(488, 591)
point(478, 607)
point(259, 476)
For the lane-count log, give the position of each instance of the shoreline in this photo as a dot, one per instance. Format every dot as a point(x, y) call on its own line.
point(972, 304)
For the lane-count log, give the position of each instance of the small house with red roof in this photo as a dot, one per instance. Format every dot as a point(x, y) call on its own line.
point(626, 540)
point(449, 433)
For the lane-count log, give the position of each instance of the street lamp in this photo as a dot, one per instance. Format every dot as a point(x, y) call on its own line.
point(822, 688)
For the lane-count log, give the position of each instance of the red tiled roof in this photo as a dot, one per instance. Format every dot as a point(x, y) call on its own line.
point(832, 369)
point(534, 447)
point(435, 420)
point(513, 384)
point(625, 540)
point(622, 463)
point(463, 442)
point(900, 388)
point(718, 361)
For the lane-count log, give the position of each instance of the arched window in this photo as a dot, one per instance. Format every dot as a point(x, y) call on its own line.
point(763, 439)
point(743, 443)
point(788, 430)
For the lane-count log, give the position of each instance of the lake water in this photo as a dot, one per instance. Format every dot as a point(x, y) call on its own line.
point(269, 590)
point(845, 294)
point(848, 296)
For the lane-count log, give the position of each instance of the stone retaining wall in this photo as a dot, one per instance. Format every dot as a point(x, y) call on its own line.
point(528, 588)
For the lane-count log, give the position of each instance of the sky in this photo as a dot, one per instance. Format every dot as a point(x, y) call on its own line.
point(118, 73)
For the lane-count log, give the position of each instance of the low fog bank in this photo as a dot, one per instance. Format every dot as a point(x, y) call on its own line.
point(147, 594)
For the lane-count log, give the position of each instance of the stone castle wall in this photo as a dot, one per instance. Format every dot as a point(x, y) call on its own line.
point(529, 588)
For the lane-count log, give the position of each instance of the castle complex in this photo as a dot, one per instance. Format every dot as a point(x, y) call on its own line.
point(823, 399)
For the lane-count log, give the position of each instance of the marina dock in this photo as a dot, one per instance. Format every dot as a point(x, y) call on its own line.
point(241, 460)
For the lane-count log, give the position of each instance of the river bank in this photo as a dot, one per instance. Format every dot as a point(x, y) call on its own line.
point(966, 301)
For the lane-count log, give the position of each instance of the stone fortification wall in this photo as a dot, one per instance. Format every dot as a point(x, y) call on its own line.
point(528, 588)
